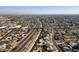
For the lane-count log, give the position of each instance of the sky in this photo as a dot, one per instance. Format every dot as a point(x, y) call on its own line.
point(39, 9)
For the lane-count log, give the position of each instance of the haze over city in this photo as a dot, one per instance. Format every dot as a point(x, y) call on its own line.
point(39, 10)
